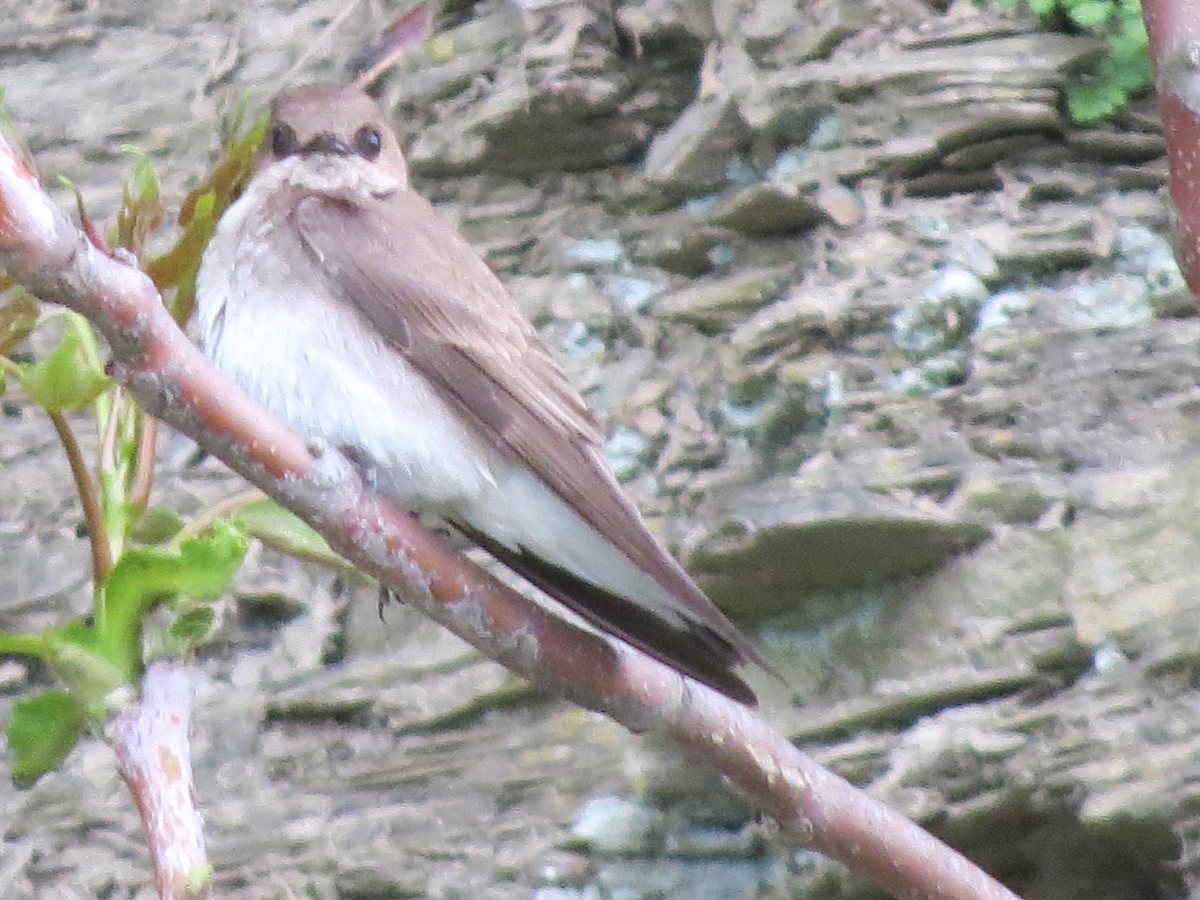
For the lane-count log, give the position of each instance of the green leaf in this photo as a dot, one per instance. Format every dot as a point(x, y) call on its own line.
point(41, 731)
point(183, 259)
point(282, 530)
point(85, 667)
point(141, 209)
point(71, 375)
point(191, 628)
point(1124, 70)
point(178, 266)
point(32, 645)
point(1091, 14)
point(1090, 103)
point(201, 567)
point(156, 525)
point(200, 210)
point(1131, 35)
point(1126, 73)
point(227, 179)
point(198, 881)
point(143, 185)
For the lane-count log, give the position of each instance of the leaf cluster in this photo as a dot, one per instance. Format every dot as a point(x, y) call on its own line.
point(155, 575)
point(1122, 72)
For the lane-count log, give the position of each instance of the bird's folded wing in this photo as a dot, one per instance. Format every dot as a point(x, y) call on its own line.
point(410, 275)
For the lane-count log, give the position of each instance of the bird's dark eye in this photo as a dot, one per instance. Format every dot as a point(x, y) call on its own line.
point(283, 140)
point(368, 142)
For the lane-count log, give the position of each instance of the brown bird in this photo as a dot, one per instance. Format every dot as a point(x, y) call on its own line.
point(343, 302)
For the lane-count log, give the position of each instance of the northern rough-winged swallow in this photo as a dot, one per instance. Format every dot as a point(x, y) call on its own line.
point(343, 302)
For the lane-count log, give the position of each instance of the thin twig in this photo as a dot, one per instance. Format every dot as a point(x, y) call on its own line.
point(85, 487)
point(143, 474)
point(406, 32)
point(108, 430)
point(207, 516)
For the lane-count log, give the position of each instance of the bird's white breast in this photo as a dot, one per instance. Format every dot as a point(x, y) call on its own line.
point(268, 323)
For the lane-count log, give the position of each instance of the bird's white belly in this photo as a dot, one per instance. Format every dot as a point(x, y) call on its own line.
point(315, 365)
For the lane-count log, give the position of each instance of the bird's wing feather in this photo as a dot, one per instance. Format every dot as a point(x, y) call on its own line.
point(410, 275)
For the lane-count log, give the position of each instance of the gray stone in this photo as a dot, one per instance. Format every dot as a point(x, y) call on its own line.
point(974, 255)
point(1116, 302)
point(1002, 309)
point(767, 209)
point(628, 452)
point(1118, 146)
point(942, 317)
point(384, 880)
point(787, 32)
point(551, 109)
point(1008, 500)
point(592, 253)
point(936, 371)
point(680, 243)
point(632, 294)
point(1060, 240)
point(773, 545)
point(576, 128)
point(1141, 252)
point(806, 316)
point(616, 827)
point(716, 304)
point(691, 157)
point(670, 28)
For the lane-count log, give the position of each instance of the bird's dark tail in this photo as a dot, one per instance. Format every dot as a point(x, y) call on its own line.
point(693, 649)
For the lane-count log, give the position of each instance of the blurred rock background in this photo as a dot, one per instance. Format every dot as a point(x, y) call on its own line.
point(894, 355)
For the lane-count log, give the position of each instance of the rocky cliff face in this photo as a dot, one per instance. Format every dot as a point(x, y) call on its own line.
point(896, 357)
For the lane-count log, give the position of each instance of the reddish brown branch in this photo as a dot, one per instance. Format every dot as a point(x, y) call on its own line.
point(1174, 30)
point(172, 380)
point(85, 487)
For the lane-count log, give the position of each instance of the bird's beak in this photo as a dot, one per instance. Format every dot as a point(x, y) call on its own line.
point(327, 144)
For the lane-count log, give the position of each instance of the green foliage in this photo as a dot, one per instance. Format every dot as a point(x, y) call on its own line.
point(1125, 71)
point(71, 376)
point(42, 730)
point(155, 574)
point(201, 209)
point(282, 530)
point(1125, 68)
point(201, 568)
point(96, 660)
point(156, 525)
point(141, 209)
point(191, 628)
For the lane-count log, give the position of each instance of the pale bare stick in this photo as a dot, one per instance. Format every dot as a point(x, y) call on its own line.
point(150, 740)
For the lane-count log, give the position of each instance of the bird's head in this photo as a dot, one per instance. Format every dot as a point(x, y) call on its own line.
point(333, 132)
